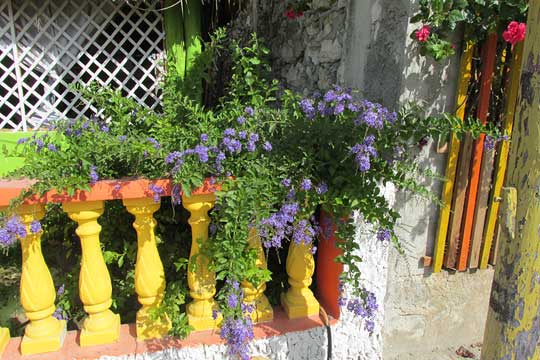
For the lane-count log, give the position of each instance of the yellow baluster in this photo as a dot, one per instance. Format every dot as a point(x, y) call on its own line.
point(101, 326)
point(201, 281)
point(4, 339)
point(255, 295)
point(44, 333)
point(299, 301)
point(149, 274)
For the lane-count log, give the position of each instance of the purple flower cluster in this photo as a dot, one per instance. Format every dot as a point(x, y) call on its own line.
point(306, 185)
point(237, 333)
point(274, 229)
point(307, 107)
point(364, 307)
point(322, 188)
point(364, 152)
point(154, 143)
point(61, 290)
point(92, 124)
point(13, 228)
point(384, 235)
point(237, 327)
point(176, 195)
point(232, 143)
point(157, 192)
point(60, 314)
point(374, 115)
point(286, 182)
point(283, 224)
point(303, 233)
point(94, 177)
point(490, 142)
point(35, 227)
point(249, 111)
point(336, 101)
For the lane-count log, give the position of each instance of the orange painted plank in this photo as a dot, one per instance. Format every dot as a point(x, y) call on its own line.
point(488, 64)
point(458, 203)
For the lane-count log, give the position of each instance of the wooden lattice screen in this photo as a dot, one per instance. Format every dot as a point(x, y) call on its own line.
point(48, 45)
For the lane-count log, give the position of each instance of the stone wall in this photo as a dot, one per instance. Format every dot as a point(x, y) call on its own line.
point(307, 52)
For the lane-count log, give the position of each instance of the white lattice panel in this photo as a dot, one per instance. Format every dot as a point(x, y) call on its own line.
point(48, 45)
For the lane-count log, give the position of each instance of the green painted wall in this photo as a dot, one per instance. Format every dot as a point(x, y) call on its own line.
point(9, 140)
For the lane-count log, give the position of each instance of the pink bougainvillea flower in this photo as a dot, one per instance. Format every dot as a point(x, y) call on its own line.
point(515, 32)
point(423, 33)
point(290, 14)
point(300, 14)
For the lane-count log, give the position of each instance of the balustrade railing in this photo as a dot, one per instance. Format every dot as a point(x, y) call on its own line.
point(44, 333)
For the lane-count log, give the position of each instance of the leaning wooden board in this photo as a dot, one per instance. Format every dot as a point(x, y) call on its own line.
point(453, 154)
point(484, 189)
point(480, 212)
point(488, 65)
point(458, 204)
point(502, 159)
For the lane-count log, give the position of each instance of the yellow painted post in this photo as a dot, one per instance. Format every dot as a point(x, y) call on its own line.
point(4, 339)
point(201, 281)
point(453, 154)
point(255, 295)
point(101, 326)
point(44, 333)
point(502, 159)
point(299, 300)
point(149, 274)
point(513, 323)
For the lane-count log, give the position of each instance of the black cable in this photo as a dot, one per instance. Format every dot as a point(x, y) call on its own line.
point(324, 317)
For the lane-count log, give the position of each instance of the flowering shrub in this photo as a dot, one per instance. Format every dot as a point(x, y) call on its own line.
point(514, 33)
point(439, 20)
point(279, 158)
point(296, 8)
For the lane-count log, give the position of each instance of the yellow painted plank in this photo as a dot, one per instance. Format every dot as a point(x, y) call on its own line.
point(453, 154)
point(502, 158)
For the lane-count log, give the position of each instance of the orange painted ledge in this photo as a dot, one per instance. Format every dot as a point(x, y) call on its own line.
point(101, 190)
point(128, 344)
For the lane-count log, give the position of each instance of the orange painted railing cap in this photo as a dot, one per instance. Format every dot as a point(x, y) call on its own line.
point(101, 190)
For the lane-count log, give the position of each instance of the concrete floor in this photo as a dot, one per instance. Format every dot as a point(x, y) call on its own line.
point(440, 354)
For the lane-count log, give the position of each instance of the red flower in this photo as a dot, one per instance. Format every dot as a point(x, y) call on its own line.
point(290, 14)
point(515, 32)
point(300, 14)
point(423, 34)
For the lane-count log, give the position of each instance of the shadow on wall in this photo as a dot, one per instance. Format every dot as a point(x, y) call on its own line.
point(385, 63)
point(394, 71)
point(385, 56)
